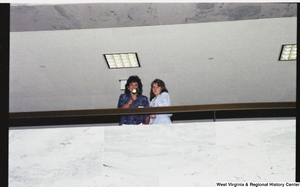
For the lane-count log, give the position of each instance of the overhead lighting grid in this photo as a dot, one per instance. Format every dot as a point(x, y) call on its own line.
point(122, 60)
point(288, 52)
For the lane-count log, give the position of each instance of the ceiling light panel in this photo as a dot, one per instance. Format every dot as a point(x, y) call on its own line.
point(288, 52)
point(122, 60)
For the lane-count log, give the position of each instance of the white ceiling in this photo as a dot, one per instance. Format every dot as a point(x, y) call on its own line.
point(206, 53)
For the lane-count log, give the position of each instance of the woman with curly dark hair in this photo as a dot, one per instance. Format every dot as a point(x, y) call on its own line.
point(133, 98)
point(159, 96)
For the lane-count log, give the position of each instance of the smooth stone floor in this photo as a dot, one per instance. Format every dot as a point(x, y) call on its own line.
point(180, 154)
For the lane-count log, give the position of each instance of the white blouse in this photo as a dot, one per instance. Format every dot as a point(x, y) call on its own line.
point(162, 99)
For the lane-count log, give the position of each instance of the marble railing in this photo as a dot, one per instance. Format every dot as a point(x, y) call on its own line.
point(181, 154)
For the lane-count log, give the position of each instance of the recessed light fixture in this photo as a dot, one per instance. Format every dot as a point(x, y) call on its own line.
point(288, 52)
point(122, 60)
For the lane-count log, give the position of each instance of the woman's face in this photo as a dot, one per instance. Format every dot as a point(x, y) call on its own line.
point(156, 89)
point(132, 86)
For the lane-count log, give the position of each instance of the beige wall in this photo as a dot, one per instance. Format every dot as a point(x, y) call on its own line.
point(205, 63)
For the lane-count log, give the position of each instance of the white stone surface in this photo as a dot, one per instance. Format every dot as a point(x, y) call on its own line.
point(179, 154)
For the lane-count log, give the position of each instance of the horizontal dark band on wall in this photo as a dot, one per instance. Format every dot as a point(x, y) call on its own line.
point(236, 114)
point(189, 113)
point(153, 110)
point(184, 116)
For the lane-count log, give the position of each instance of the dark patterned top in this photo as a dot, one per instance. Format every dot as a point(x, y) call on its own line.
point(141, 101)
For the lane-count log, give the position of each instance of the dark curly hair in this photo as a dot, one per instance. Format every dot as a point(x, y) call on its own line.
point(133, 78)
point(159, 83)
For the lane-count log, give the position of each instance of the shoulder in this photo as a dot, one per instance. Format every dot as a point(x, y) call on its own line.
point(143, 98)
point(123, 95)
point(164, 94)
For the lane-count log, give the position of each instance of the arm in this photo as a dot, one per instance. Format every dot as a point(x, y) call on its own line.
point(124, 102)
point(147, 119)
point(128, 103)
point(146, 104)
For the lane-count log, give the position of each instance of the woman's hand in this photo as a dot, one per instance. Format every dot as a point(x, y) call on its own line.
point(128, 103)
point(153, 116)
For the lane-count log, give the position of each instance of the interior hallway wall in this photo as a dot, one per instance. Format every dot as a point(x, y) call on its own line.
point(205, 63)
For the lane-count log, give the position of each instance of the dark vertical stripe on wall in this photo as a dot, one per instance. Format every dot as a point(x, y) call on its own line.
point(297, 108)
point(297, 179)
point(4, 90)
